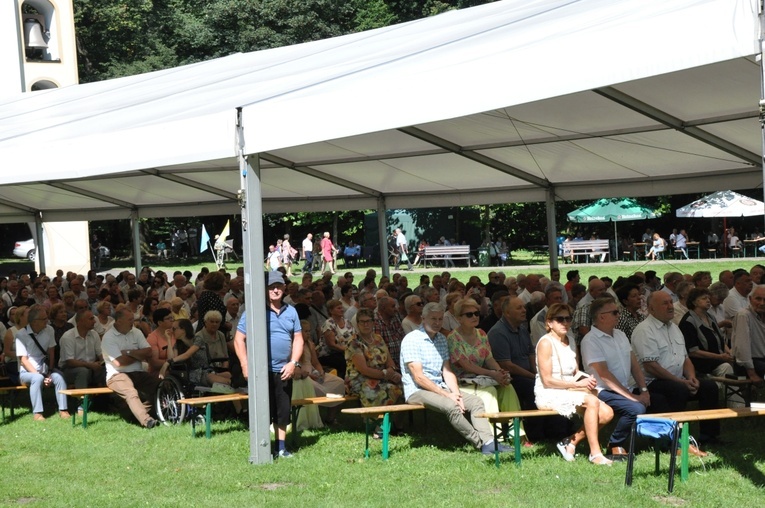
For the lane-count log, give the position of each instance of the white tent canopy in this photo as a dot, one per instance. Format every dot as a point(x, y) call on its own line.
point(496, 103)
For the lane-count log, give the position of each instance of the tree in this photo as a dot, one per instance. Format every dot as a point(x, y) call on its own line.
point(133, 36)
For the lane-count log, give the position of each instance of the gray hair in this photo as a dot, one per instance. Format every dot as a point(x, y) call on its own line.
point(410, 301)
point(719, 290)
point(432, 307)
point(213, 314)
point(751, 293)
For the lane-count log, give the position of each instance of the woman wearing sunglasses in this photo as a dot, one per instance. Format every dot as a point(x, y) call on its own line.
point(560, 386)
point(474, 365)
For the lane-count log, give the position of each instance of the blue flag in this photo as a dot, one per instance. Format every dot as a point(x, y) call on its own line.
point(205, 240)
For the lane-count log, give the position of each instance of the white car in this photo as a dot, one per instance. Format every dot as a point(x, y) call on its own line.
point(25, 249)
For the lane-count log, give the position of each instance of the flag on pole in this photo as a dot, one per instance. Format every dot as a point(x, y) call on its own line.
point(224, 234)
point(205, 240)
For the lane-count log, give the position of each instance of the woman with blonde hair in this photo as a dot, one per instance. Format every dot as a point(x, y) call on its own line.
point(560, 386)
point(328, 252)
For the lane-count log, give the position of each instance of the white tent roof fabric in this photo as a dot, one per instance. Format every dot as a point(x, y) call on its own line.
point(495, 103)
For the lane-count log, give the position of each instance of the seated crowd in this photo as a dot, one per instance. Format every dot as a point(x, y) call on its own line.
point(610, 349)
point(121, 331)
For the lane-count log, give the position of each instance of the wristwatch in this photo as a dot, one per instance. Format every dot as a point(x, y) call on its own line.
point(643, 389)
point(297, 364)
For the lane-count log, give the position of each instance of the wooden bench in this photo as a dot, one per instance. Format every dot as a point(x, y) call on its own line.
point(504, 418)
point(195, 402)
point(740, 387)
point(297, 405)
point(586, 248)
point(9, 392)
point(682, 436)
point(443, 252)
point(372, 414)
point(84, 394)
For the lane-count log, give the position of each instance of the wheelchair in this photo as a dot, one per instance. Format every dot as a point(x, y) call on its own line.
point(176, 386)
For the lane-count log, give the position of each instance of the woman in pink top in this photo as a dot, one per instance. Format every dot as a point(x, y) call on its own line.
point(327, 253)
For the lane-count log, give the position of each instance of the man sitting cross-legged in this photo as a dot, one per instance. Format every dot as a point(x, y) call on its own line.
point(124, 349)
point(429, 380)
point(35, 345)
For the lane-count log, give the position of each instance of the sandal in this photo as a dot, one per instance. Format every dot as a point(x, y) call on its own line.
point(600, 460)
point(566, 449)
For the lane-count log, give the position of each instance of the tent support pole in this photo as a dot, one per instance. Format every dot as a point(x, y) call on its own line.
point(762, 95)
point(251, 201)
point(382, 234)
point(39, 242)
point(135, 227)
point(552, 233)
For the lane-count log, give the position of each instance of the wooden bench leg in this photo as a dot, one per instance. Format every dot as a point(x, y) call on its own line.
point(386, 435)
point(85, 407)
point(208, 420)
point(684, 441)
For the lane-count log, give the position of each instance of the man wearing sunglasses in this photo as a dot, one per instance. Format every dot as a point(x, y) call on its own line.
point(608, 356)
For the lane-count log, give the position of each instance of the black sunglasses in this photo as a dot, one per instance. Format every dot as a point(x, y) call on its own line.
point(471, 314)
point(562, 319)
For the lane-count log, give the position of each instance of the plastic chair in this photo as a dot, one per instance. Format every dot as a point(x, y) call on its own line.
point(660, 429)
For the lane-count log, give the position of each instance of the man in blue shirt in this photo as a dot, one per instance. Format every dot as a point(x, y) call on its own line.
point(351, 254)
point(429, 380)
point(285, 349)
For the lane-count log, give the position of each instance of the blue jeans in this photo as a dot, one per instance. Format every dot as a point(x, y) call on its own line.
point(627, 411)
point(308, 261)
point(35, 384)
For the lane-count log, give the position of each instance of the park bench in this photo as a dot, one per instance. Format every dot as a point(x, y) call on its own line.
point(8, 393)
point(681, 436)
point(373, 413)
point(434, 253)
point(585, 248)
point(207, 402)
point(503, 419)
point(298, 404)
point(85, 394)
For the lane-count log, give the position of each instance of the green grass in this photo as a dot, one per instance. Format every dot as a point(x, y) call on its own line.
point(114, 463)
point(523, 262)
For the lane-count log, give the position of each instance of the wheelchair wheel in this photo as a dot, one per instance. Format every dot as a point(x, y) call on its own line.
point(169, 393)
